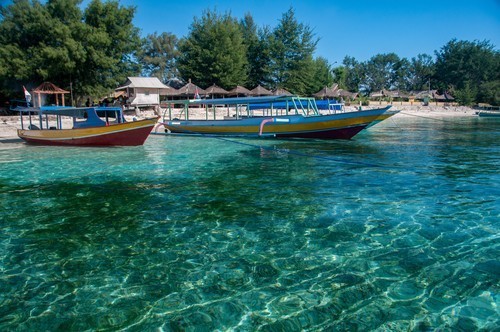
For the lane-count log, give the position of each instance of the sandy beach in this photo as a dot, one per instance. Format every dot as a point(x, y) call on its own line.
point(10, 124)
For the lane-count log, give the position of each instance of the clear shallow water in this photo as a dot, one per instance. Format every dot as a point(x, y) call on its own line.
point(397, 229)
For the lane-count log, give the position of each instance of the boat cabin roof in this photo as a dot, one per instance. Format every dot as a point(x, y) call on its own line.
point(66, 111)
point(238, 100)
point(302, 105)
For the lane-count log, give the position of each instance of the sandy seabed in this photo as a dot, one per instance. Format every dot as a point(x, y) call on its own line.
point(10, 124)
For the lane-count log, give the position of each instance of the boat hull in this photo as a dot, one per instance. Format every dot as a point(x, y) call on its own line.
point(383, 117)
point(120, 134)
point(332, 126)
point(489, 114)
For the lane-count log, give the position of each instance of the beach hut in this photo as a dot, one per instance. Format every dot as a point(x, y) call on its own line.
point(260, 91)
point(347, 96)
point(445, 97)
point(191, 90)
point(145, 91)
point(215, 90)
point(376, 94)
point(282, 92)
point(239, 91)
point(327, 92)
point(47, 88)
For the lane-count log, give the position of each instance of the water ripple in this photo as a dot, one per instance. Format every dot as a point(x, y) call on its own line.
point(195, 234)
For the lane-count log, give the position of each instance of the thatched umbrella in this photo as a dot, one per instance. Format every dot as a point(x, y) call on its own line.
point(377, 94)
point(215, 90)
point(260, 91)
point(347, 94)
point(282, 92)
point(239, 90)
point(190, 90)
point(169, 91)
point(47, 88)
point(444, 97)
point(326, 92)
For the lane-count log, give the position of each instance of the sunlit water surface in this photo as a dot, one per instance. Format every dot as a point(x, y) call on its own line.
point(395, 230)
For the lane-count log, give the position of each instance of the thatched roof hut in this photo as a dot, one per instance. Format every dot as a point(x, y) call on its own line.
point(282, 92)
point(327, 92)
point(347, 94)
point(389, 94)
point(444, 97)
point(239, 91)
point(215, 90)
point(190, 90)
point(260, 91)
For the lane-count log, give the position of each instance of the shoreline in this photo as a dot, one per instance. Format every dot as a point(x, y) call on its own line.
point(10, 123)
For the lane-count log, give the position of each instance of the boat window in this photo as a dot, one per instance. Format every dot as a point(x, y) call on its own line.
point(109, 114)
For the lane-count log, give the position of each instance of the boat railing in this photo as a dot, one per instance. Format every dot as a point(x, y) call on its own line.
point(92, 116)
point(237, 108)
point(336, 108)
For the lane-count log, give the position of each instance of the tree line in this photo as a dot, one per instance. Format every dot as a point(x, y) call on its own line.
point(96, 48)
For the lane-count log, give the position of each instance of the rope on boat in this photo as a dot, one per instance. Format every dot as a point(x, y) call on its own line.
point(492, 127)
point(301, 154)
point(428, 117)
point(288, 151)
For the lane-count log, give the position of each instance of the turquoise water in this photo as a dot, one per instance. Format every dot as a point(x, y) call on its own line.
point(395, 230)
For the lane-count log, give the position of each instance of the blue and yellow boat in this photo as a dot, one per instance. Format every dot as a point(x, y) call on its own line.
point(276, 116)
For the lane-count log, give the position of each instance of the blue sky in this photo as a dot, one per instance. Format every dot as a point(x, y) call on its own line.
point(358, 28)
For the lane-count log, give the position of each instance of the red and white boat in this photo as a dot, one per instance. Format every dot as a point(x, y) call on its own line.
point(91, 126)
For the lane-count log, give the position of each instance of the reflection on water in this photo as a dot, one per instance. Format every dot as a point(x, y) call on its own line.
point(394, 230)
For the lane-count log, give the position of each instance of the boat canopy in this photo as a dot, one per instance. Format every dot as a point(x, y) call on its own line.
point(75, 112)
point(267, 102)
point(300, 105)
point(234, 101)
point(91, 115)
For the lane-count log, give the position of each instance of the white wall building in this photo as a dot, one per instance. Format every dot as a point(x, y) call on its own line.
point(144, 91)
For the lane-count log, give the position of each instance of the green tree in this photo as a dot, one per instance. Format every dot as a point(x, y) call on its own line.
point(291, 46)
point(55, 41)
point(322, 74)
point(489, 92)
point(214, 52)
point(112, 43)
point(257, 52)
point(340, 76)
point(466, 95)
point(383, 71)
point(31, 43)
point(420, 71)
point(461, 63)
point(158, 56)
point(400, 80)
point(353, 72)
